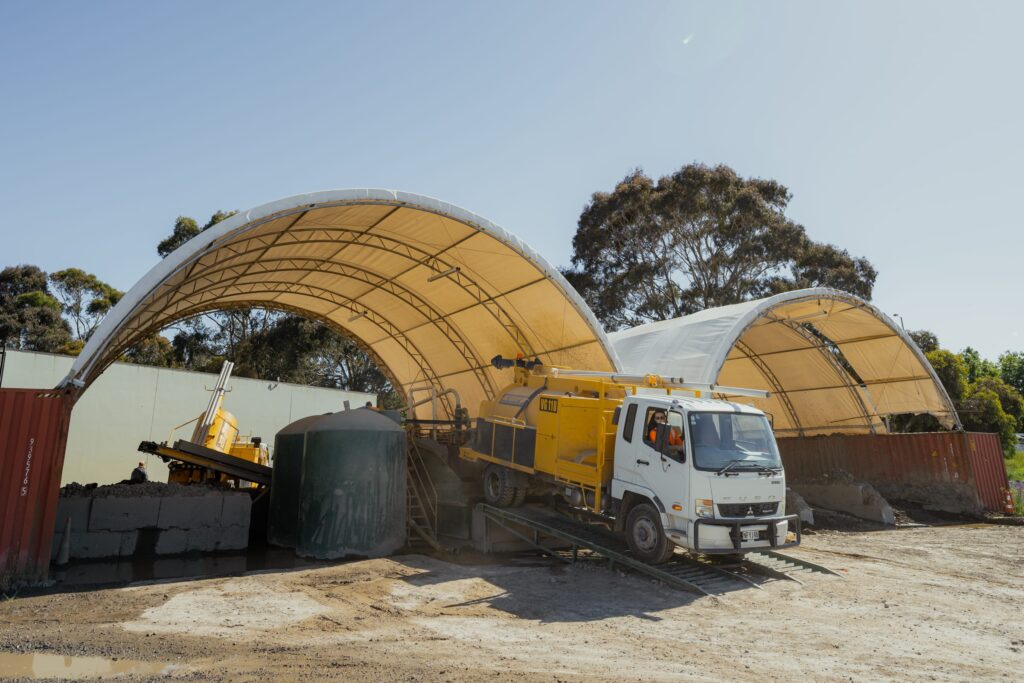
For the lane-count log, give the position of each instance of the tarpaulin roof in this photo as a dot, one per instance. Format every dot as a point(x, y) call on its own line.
point(431, 291)
point(834, 364)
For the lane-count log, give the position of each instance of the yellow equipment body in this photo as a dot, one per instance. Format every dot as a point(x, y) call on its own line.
point(222, 436)
point(558, 427)
point(222, 433)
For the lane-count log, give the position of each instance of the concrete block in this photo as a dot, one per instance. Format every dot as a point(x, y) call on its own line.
point(96, 544)
point(190, 512)
point(796, 505)
point(235, 537)
point(203, 539)
point(859, 499)
point(75, 508)
point(237, 510)
point(129, 539)
point(172, 542)
point(123, 514)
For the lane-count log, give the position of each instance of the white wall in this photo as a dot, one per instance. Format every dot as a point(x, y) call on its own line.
point(132, 403)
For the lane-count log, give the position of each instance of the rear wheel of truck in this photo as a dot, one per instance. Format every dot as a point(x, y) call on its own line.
point(498, 489)
point(520, 497)
point(645, 535)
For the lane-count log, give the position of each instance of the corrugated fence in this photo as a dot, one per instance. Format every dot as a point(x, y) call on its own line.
point(33, 433)
point(964, 462)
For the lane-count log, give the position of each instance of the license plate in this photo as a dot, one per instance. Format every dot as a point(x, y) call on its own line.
point(751, 535)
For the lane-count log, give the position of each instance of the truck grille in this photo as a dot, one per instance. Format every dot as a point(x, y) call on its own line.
point(747, 509)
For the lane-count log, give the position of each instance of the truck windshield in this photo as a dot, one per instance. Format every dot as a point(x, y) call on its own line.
point(737, 440)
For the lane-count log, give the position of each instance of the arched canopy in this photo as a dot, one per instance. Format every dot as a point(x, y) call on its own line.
point(834, 364)
point(430, 290)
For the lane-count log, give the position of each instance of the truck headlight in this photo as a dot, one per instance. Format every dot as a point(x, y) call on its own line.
point(704, 507)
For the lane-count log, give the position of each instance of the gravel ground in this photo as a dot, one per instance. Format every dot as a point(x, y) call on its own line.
point(918, 604)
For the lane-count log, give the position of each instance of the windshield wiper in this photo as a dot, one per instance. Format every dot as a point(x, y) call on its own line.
point(729, 466)
point(747, 465)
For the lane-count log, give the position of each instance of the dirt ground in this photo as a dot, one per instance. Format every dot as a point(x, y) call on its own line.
point(928, 603)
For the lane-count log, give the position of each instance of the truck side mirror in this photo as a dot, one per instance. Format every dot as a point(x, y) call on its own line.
point(661, 438)
point(663, 444)
point(616, 414)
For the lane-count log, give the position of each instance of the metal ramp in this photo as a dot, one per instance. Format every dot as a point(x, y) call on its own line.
point(194, 454)
point(568, 540)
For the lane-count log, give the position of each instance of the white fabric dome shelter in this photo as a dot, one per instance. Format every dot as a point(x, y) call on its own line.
point(431, 291)
point(834, 364)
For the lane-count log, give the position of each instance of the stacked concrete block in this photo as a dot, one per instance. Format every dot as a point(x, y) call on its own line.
point(796, 505)
point(857, 498)
point(194, 520)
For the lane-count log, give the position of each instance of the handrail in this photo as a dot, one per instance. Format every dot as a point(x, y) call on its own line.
point(170, 435)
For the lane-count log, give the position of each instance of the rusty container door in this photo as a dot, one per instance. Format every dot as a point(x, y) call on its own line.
point(968, 465)
point(33, 433)
point(986, 457)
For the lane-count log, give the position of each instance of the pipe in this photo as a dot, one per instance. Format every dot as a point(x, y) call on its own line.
point(432, 398)
point(659, 382)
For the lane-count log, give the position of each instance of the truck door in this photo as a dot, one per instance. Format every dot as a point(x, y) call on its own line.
point(628, 442)
point(667, 473)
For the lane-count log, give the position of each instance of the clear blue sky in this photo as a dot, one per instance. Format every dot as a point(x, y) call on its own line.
point(898, 127)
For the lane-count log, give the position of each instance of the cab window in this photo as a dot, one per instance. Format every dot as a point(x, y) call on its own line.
point(674, 447)
point(652, 418)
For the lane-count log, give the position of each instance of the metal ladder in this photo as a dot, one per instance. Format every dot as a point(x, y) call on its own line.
point(420, 498)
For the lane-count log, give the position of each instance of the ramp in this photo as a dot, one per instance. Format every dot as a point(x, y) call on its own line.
point(194, 454)
point(552, 533)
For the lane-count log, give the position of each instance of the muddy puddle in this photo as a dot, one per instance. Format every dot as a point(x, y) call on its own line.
point(39, 665)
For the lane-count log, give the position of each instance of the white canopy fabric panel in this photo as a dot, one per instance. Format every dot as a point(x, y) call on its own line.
point(428, 289)
point(834, 364)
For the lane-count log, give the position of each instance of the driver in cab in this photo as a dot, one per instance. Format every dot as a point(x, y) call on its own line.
point(675, 438)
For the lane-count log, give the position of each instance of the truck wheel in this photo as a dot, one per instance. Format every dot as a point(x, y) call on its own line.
point(498, 490)
point(645, 535)
point(520, 497)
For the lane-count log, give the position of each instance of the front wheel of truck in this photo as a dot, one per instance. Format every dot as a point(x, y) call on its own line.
point(646, 536)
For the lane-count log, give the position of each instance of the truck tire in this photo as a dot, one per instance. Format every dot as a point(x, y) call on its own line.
point(646, 536)
point(520, 497)
point(498, 489)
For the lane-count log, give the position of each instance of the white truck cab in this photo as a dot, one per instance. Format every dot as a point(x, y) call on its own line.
point(702, 474)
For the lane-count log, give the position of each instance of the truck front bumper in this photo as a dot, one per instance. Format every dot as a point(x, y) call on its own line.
point(772, 534)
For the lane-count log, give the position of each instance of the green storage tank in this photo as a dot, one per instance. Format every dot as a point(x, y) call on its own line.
point(283, 516)
point(352, 494)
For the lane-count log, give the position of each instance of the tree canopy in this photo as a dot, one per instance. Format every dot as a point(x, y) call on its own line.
point(698, 238)
point(30, 317)
point(84, 298)
point(186, 228)
point(925, 340)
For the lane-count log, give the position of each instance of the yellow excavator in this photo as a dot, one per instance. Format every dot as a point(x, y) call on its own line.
point(215, 453)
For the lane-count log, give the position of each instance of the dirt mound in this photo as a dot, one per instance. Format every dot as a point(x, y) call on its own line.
point(125, 489)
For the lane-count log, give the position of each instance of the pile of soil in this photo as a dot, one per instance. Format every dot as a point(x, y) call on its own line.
point(126, 489)
point(908, 515)
point(914, 514)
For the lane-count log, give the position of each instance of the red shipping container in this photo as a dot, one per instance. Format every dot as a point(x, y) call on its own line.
point(33, 434)
point(968, 459)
